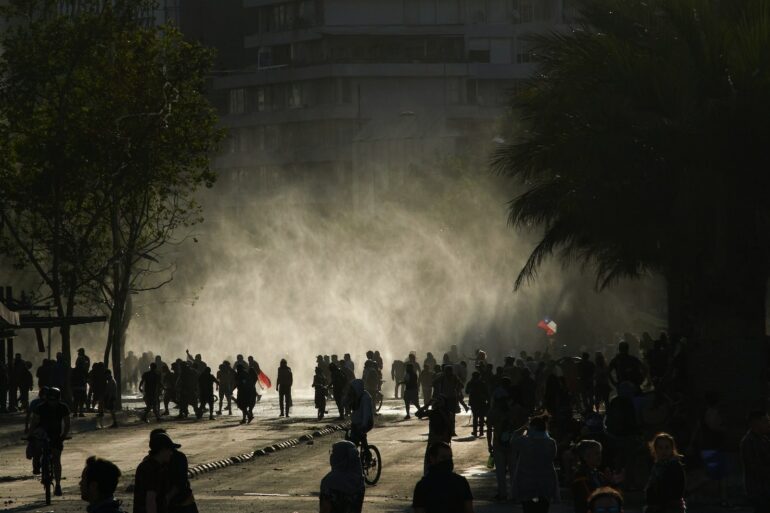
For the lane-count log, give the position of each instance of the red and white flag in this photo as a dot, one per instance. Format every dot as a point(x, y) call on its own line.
point(548, 325)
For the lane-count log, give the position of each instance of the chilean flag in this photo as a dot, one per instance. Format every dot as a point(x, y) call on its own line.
point(548, 325)
point(264, 380)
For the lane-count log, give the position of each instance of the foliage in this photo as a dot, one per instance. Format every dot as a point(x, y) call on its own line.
point(644, 147)
point(107, 136)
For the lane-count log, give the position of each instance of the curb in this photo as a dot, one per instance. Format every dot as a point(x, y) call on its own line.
point(204, 468)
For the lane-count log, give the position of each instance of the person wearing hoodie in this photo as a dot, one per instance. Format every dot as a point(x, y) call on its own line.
point(441, 490)
point(343, 489)
point(362, 417)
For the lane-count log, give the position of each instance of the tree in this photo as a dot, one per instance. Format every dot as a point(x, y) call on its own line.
point(642, 149)
point(108, 137)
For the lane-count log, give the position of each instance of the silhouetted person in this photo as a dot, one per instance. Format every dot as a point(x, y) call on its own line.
point(246, 384)
point(429, 362)
point(348, 363)
point(254, 365)
point(283, 385)
point(626, 367)
point(536, 483)
point(478, 397)
point(343, 489)
point(98, 483)
point(441, 490)
point(447, 385)
point(226, 377)
point(79, 384)
point(411, 389)
point(339, 388)
point(206, 384)
point(319, 392)
point(149, 386)
point(150, 481)
point(426, 384)
point(397, 371)
point(187, 389)
point(180, 495)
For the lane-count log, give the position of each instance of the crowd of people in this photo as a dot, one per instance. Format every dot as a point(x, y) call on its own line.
point(597, 426)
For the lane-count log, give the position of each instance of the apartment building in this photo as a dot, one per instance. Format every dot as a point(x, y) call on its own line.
point(352, 95)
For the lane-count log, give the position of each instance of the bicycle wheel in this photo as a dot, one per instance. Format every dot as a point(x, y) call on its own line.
point(373, 467)
point(46, 475)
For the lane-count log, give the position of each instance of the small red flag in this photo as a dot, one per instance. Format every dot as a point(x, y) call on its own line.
point(264, 380)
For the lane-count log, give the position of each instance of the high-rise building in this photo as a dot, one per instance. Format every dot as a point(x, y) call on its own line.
point(350, 95)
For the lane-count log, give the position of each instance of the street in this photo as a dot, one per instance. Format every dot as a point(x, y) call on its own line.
point(286, 481)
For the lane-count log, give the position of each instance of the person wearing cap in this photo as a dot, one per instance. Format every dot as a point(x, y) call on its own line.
point(179, 494)
point(150, 483)
point(98, 483)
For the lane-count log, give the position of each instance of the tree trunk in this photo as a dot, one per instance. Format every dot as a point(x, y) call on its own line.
point(122, 320)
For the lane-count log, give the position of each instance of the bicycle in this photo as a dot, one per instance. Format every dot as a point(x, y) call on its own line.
point(47, 475)
point(371, 461)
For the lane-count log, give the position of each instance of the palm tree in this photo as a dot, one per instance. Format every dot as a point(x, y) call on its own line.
point(643, 147)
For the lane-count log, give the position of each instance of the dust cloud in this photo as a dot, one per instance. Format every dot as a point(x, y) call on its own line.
point(286, 275)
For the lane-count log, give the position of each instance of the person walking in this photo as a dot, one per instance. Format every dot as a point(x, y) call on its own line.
point(246, 385)
point(206, 384)
point(665, 488)
point(226, 378)
point(343, 489)
point(478, 398)
point(535, 482)
point(411, 389)
point(149, 386)
point(283, 385)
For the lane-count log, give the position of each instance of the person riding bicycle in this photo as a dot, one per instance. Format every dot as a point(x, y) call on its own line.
point(51, 418)
point(362, 418)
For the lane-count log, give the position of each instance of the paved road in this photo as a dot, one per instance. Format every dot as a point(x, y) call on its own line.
point(286, 481)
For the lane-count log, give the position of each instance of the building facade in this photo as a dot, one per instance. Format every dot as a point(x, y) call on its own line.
point(351, 95)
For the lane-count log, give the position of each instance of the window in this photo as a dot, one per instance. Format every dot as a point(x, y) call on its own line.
point(478, 55)
point(237, 101)
point(295, 96)
point(260, 99)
